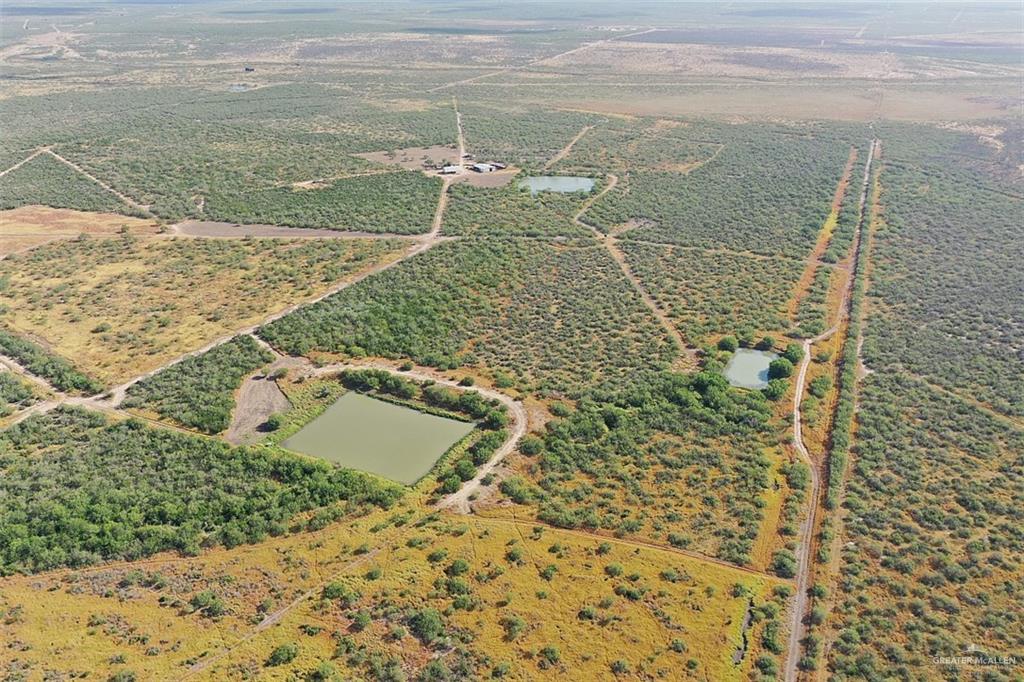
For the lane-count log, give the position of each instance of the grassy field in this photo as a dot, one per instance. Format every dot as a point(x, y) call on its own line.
point(120, 307)
point(367, 578)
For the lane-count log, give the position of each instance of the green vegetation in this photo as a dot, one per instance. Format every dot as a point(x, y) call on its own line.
point(552, 317)
point(45, 180)
point(811, 312)
point(708, 293)
point(934, 522)
point(768, 191)
point(76, 490)
point(15, 394)
point(511, 210)
point(198, 392)
point(400, 202)
point(57, 371)
point(524, 137)
point(672, 458)
point(946, 277)
point(620, 146)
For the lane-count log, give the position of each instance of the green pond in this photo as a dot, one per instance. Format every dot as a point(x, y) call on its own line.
point(557, 183)
point(749, 368)
point(371, 435)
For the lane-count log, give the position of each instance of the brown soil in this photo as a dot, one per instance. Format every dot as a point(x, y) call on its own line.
point(494, 179)
point(412, 158)
point(257, 399)
point(30, 226)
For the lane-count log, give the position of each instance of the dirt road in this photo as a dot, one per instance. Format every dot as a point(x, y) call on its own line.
point(21, 163)
point(564, 151)
point(74, 166)
point(619, 257)
point(798, 628)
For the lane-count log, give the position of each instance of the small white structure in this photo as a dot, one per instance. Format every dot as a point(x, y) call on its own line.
point(482, 167)
point(449, 170)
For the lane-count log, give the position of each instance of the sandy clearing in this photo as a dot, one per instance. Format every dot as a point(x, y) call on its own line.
point(257, 399)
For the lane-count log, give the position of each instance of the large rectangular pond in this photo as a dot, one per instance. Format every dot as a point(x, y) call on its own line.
point(371, 435)
point(557, 183)
point(749, 368)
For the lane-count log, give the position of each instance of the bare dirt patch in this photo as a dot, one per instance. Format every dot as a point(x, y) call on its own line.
point(29, 226)
point(257, 399)
point(414, 158)
point(493, 179)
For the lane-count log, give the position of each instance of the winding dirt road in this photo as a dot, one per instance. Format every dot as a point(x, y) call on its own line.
point(798, 628)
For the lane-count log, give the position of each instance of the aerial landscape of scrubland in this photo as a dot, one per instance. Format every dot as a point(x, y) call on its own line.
point(457, 340)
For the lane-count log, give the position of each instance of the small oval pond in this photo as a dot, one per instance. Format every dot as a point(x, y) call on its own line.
point(372, 435)
point(749, 368)
point(558, 183)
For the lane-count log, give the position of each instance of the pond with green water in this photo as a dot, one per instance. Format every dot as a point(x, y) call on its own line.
point(389, 440)
point(558, 183)
point(749, 368)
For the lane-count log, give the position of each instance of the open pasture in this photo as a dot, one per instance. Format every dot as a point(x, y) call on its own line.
point(29, 226)
point(123, 306)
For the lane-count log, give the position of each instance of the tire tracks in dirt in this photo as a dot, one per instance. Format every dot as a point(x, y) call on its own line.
point(798, 627)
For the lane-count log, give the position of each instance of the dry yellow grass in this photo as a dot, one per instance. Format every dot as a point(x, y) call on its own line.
point(29, 226)
point(47, 618)
point(120, 307)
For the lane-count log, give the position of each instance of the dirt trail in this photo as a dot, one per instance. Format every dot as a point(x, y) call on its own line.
point(208, 229)
point(798, 628)
point(461, 136)
point(74, 166)
point(21, 163)
point(442, 204)
point(531, 523)
point(564, 151)
point(687, 355)
point(459, 500)
point(275, 617)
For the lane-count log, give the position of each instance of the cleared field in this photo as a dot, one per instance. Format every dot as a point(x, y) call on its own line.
point(414, 158)
point(124, 306)
point(29, 226)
